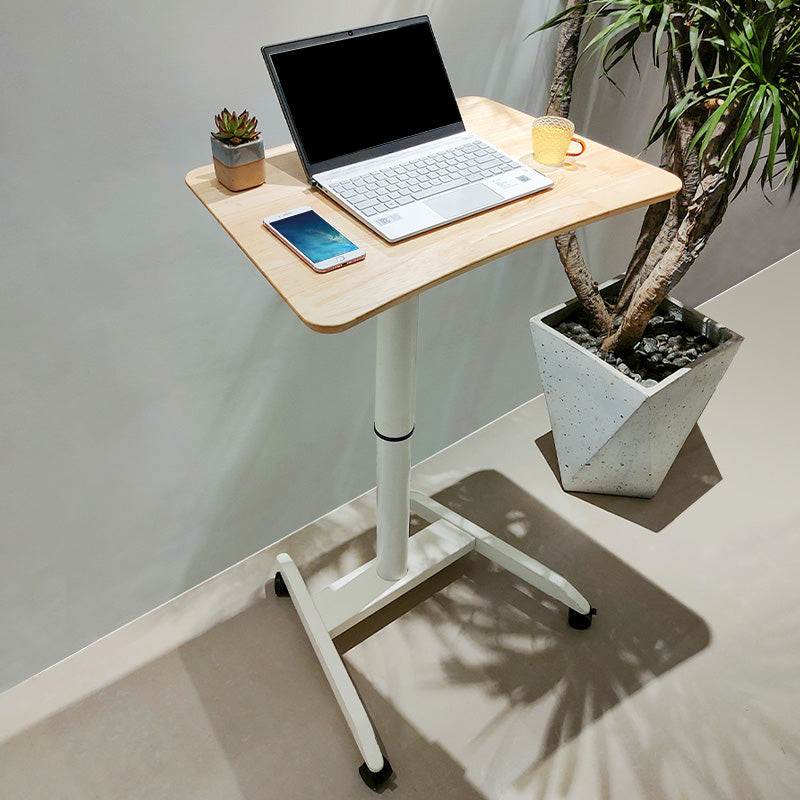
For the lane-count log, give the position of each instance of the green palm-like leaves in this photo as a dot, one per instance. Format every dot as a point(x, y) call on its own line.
point(233, 128)
point(741, 65)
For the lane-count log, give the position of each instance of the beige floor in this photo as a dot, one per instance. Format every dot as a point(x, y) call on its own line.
point(686, 686)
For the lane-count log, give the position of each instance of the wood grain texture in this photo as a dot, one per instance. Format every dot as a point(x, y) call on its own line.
point(599, 184)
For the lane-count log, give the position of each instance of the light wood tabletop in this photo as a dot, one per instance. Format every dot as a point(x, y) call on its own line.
point(600, 183)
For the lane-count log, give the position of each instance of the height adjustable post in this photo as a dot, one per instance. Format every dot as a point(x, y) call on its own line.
point(395, 380)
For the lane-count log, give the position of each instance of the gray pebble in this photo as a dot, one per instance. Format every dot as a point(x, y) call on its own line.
point(649, 345)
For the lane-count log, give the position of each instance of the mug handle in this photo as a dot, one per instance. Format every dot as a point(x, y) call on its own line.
point(578, 141)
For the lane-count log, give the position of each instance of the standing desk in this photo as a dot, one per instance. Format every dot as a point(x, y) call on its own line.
point(602, 183)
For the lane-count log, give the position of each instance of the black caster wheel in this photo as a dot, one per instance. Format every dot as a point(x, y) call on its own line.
point(376, 780)
point(581, 621)
point(280, 586)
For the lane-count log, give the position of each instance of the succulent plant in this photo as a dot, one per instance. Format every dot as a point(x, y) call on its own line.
point(233, 128)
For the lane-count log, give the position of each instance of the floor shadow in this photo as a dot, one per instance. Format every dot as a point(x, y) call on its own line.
point(640, 631)
point(279, 727)
point(244, 712)
point(272, 712)
point(692, 474)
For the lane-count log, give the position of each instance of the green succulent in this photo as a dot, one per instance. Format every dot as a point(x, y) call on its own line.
point(233, 128)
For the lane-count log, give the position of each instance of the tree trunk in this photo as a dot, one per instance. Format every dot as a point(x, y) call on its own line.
point(700, 222)
point(581, 280)
point(663, 219)
point(693, 215)
point(566, 58)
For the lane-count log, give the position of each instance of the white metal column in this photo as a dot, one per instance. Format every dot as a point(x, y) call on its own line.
point(395, 379)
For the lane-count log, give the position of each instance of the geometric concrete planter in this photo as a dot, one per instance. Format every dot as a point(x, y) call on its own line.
point(240, 166)
point(613, 435)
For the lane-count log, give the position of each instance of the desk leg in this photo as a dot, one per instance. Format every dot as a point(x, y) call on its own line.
point(509, 558)
point(395, 379)
point(350, 703)
point(401, 563)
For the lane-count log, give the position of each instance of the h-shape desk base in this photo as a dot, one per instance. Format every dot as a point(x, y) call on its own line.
point(402, 562)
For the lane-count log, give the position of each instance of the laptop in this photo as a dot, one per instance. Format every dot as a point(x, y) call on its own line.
point(378, 130)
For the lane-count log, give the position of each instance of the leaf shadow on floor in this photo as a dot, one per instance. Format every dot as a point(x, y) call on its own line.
point(538, 683)
point(529, 656)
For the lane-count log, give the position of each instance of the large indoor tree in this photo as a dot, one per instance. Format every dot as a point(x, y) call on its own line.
point(731, 112)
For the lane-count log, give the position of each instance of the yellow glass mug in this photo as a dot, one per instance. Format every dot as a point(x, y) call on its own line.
point(551, 138)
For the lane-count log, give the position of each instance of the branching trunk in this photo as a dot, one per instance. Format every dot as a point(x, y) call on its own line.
point(699, 223)
point(705, 212)
point(663, 220)
point(693, 213)
point(654, 220)
point(569, 251)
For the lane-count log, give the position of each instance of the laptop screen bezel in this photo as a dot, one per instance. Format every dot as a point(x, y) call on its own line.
point(347, 159)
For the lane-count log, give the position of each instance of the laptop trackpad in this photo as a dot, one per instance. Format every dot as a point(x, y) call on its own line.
point(462, 201)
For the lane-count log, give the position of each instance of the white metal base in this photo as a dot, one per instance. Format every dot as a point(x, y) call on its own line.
point(355, 596)
point(362, 592)
point(504, 555)
point(402, 562)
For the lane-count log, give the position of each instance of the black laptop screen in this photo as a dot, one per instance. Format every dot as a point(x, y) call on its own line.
point(365, 90)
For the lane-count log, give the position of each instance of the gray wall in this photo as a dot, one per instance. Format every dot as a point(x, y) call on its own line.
point(162, 413)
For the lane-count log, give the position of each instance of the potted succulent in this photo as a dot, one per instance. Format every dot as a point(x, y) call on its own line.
point(238, 152)
point(623, 385)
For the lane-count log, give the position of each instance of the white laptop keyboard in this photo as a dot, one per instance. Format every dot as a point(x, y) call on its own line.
point(418, 178)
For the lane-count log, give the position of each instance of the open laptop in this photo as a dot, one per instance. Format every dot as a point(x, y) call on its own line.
point(378, 129)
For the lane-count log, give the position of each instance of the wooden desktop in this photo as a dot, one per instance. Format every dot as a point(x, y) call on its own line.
point(599, 184)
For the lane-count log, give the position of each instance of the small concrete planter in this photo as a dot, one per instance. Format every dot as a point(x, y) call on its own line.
point(240, 166)
point(613, 435)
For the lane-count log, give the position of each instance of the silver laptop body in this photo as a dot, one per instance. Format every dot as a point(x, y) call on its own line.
point(377, 129)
